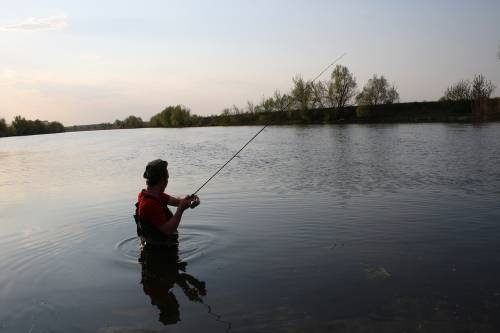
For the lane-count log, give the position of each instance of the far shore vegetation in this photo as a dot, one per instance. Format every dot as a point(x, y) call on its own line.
point(337, 100)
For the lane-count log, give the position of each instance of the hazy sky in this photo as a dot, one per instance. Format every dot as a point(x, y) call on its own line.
point(82, 62)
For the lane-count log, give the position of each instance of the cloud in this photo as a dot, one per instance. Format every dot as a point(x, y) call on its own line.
point(36, 23)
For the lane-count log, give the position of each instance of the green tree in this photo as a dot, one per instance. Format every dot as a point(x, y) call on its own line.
point(133, 122)
point(155, 121)
point(172, 116)
point(281, 101)
point(342, 87)
point(21, 126)
point(377, 91)
point(268, 104)
point(318, 93)
point(302, 93)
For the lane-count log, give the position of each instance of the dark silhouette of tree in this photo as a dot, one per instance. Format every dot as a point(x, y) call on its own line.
point(459, 91)
point(481, 88)
point(22, 126)
point(55, 127)
point(377, 91)
point(3, 128)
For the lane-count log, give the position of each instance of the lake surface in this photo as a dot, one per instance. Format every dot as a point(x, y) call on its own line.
point(377, 228)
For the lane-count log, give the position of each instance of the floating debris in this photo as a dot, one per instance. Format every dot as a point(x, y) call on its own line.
point(377, 273)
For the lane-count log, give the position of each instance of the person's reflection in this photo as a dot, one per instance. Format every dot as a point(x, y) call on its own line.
point(161, 271)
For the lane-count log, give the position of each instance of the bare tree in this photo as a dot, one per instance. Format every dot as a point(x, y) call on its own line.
point(464, 90)
point(377, 91)
point(481, 88)
point(250, 107)
point(458, 92)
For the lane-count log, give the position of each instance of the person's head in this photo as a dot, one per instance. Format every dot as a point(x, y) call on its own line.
point(156, 173)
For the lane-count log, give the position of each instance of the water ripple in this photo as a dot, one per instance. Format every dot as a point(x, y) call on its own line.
point(193, 242)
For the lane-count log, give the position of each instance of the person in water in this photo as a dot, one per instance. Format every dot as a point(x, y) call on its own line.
point(156, 224)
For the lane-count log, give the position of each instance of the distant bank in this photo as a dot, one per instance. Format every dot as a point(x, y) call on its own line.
point(474, 111)
point(416, 112)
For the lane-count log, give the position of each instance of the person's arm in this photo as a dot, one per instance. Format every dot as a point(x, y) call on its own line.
point(173, 201)
point(194, 200)
point(170, 226)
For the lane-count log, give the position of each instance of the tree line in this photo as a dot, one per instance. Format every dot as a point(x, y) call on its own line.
point(333, 100)
point(337, 93)
point(23, 126)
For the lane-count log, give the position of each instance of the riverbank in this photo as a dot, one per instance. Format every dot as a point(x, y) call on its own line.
point(441, 111)
point(415, 112)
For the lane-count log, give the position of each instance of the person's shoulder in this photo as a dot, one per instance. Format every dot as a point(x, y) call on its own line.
point(147, 200)
point(165, 197)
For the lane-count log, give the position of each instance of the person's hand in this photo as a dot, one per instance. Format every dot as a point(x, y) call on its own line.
point(184, 203)
point(195, 201)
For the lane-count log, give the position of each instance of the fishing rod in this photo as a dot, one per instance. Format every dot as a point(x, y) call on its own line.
point(290, 100)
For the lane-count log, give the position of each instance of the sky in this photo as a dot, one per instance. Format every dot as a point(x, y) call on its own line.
point(86, 62)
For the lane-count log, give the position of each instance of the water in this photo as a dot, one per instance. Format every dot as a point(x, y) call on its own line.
point(379, 228)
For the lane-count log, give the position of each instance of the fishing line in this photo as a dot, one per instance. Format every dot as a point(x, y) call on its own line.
point(290, 100)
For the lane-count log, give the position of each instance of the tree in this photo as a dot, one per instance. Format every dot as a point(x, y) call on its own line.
point(172, 116)
point(3, 128)
point(250, 107)
point(318, 94)
point(377, 91)
point(21, 126)
point(55, 127)
point(267, 104)
point(302, 93)
point(460, 91)
point(481, 88)
point(118, 124)
point(281, 102)
point(133, 122)
point(342, 87)
point(465, 90)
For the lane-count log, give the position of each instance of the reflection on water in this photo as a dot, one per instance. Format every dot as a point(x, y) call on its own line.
point(161, 271)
